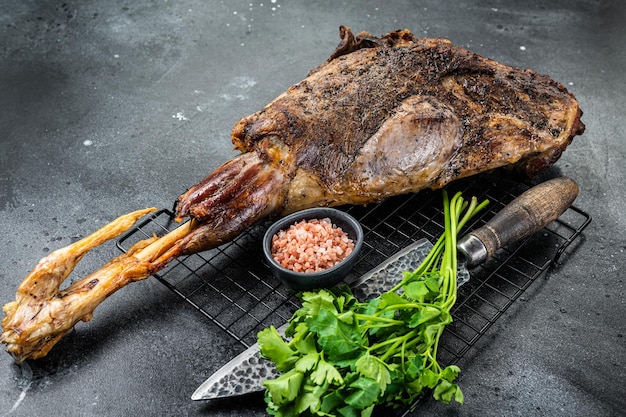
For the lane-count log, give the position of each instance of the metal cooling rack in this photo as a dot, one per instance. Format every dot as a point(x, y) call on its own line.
point(233, 288)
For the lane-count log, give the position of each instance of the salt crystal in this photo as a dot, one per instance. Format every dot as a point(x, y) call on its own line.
point(180, 116)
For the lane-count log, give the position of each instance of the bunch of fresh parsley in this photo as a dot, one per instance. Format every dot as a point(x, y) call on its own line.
point(343, 357)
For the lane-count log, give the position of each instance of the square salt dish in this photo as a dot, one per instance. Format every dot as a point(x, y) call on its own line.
point(306, 281)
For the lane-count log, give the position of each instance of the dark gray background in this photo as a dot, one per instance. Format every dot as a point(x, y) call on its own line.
point(108, 107)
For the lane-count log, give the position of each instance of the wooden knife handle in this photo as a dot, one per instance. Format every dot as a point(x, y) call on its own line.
point(527, 214)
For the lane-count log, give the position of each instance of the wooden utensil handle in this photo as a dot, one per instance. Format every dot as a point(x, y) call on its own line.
point(527, 214)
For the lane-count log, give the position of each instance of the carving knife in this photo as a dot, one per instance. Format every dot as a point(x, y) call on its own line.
point(525, 215)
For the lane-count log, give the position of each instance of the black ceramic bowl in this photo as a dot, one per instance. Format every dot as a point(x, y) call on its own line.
point(305, 281)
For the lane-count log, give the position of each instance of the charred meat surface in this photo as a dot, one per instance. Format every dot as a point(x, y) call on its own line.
point(397, 114)
point(382, 116)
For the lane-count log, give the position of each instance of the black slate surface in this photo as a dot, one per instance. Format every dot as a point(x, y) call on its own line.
point(107, 107)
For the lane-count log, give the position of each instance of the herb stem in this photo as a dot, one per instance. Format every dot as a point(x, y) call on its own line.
point(394, 340)
point(369, 317)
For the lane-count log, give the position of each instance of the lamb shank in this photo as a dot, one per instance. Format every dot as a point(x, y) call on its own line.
point(382, 116)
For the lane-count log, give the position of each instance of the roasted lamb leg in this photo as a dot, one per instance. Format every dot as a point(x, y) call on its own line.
point(383, 116)
point(398, 114)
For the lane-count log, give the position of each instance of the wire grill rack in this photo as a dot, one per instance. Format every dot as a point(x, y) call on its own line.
point(233, 288)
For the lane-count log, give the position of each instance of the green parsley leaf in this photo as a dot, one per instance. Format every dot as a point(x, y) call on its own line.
point(450, 373)
point(374, 368)
point(446, 391)
point(339, 340)
point(415, 367)
point(433, 282)
point(416, 290)
point(303, 340)
point(429, 379)
point(273, 347)
point(325, 372)
point(307, 362)
point(314, 302)
point(286, 387)
point(365, 393)
point(332, 400)
point(307, 401)
point(391, 299)
point(423, 315)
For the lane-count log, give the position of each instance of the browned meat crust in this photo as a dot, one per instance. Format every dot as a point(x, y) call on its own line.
point(506, 116)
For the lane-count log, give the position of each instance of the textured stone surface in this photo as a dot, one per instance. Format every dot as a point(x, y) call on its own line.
point(107, 107)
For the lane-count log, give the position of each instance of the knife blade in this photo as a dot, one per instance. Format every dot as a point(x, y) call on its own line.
point(525, 215)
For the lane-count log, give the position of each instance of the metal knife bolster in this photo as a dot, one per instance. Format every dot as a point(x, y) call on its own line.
point(472, 249)
point(246, 372)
